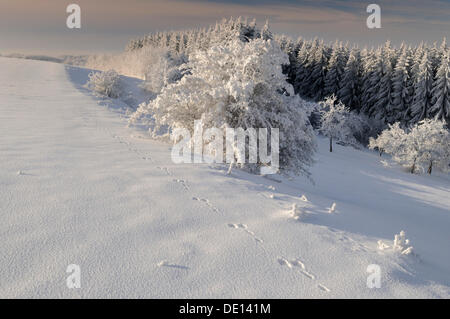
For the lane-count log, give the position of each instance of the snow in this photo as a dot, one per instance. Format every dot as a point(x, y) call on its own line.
point(77, 186)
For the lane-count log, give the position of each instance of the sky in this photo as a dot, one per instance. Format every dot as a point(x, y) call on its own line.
point(39, 26)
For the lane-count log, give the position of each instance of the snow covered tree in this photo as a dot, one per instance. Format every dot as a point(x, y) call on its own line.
point(372, 69)
point(302, 68)
point(335, 70)
point(440, 93)
point(266, 34)
point(401, 89)
point(391, 84)
point(425, 145)
point(316, 77)
point(422, 87)
point(174, 42)
point(416, 60)
point(292, 68)
point(163, 70)
point(105, 84)
point(238, 85)
point(338, 123)
point(429, 144)
point(383, 95)
point(349, 90)
point(391, 141)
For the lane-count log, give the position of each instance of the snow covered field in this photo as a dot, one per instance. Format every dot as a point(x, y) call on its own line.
point(79, 187)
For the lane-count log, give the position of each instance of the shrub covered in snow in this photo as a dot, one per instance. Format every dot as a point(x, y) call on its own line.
point(391, 141)
point(298, 213)
point(105, 84)
point(339, 124)
point(158, 67)
point(422, 147)
point(238, 85)
point(163, 70)
point(401, 245)
point(429, 145)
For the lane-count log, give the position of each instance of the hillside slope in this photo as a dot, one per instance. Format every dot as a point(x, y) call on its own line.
point(79, 187)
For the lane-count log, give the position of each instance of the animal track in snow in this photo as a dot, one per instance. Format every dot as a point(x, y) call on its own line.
point(207, 202)
point(354, 245)
point(182, 182)
point(284, 262)
point(322, 287)
point(121, 141)
point(300, 265)
point(165, 170)
point(165, 263)
point(131, 148)
point(22, 173)
point(245, 228)
point(296, 263)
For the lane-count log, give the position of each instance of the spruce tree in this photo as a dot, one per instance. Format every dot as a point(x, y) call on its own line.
point(401, 89)
point(384, 88)
point(317, 76)
point(335, 70)
point(422, 87)
point(440, 93)
point(349, 92)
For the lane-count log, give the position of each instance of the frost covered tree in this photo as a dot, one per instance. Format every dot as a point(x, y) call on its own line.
point(440, 93)
point(338, 123)
point(416, 60)
point(372, 69)
point(238, 85)
point(383, 96)
point(302, 69)
point(163, 70)
point(349, 87)
point(292, 68)
point(316, 78)
point(424, 146)
point(422, 88)
point(266, 34)
point(429, 144)
point(335, 70)
point(391, 85)
point(105, 84)
point(401, 89)
point(392, 141)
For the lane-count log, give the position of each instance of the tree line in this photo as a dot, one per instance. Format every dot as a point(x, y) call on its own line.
point(405, 84)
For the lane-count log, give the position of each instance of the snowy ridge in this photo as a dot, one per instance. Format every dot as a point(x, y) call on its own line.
point(95, 193)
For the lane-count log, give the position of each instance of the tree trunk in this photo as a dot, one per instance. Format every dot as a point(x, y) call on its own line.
point(331, 144)
point(430, 168)
point(381, 152)
point(413, 168)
